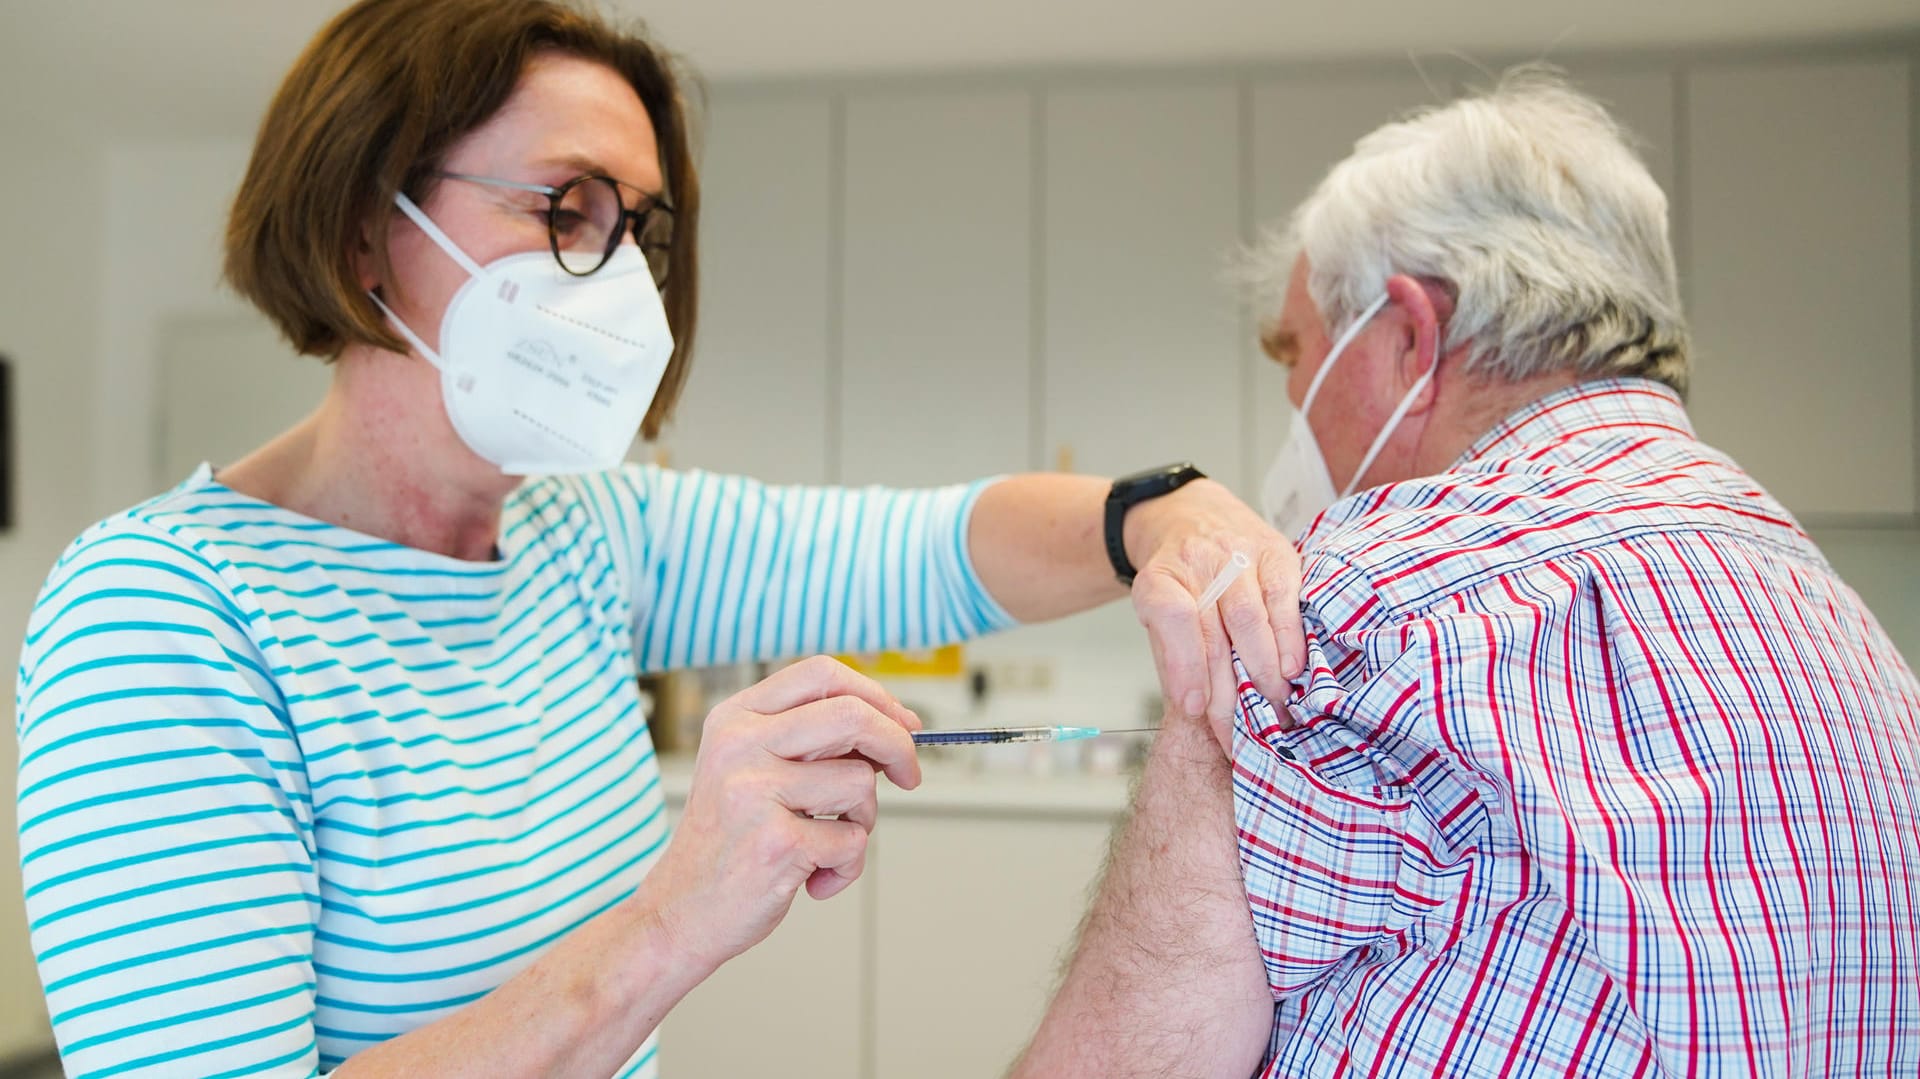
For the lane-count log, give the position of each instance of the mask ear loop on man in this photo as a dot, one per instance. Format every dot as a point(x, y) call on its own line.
point(1393, 421)
point(1339, 348)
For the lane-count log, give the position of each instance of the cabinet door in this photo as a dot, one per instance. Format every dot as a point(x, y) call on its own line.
point(1142, 356)
point(1301, 128)
point(791, 1006)
point(756, 402)
point(969, 938)
point(207, 363)
point(937, 375)
point(1801, 233)
point(1883, 565)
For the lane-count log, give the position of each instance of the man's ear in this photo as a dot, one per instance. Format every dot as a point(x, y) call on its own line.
point(1424, 308)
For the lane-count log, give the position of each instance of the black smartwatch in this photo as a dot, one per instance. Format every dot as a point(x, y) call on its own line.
point(1130, 491)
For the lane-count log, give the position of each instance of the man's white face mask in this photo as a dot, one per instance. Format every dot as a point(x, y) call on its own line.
point(1298, 487)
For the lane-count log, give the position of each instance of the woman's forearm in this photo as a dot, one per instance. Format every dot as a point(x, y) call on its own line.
point(1038, 544)
point(583, 1008)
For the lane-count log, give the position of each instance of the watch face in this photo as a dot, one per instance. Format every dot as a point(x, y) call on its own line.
point(1156, 481)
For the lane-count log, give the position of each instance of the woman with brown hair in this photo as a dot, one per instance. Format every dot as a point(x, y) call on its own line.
point(333, 760)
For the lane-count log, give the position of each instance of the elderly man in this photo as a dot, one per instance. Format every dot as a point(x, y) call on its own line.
point(1598, 768)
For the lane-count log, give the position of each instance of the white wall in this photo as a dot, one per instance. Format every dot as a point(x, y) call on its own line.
point(83, 296)
point(166, 212)
point(50, 194)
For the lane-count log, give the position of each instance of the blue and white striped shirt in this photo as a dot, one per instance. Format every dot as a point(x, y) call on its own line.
point(287, 790)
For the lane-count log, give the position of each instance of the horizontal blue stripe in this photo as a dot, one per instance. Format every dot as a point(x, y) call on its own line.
point(226, 616)
point(497, 958)
point(127, 929)
point(148, 858)
point(151, 991)
point(121, 831)
point(199, 1049)
point(136, 727)
point(170, 559)
point(195, 785)
point(182, 1018)
point(248, 1072)
point(211, 946)
point(164, 756)
point(155, 693)
point(162, 887)
point(417, 771)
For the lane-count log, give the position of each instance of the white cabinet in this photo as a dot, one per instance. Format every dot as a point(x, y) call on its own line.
point(937, 307)
point(1883, 566)
point(757, 399)
point(210, 362)
point(976, 916)
point(1801, 245)
point(791, 1006)
point(937, 963)
point(1142, 353)
point(1299, 129)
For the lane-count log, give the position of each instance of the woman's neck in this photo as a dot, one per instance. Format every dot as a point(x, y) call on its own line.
point(379, 457)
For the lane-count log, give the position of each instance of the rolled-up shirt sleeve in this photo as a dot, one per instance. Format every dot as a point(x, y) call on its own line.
point(1356, 843)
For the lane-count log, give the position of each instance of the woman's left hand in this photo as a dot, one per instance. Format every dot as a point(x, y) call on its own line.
point(1180, 542)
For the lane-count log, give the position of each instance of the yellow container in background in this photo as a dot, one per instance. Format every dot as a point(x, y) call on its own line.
point(947, 661)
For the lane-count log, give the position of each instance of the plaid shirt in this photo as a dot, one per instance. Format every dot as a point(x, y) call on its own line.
point(1597, 769)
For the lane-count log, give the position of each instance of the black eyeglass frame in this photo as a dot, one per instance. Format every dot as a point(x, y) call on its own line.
point(630, 220)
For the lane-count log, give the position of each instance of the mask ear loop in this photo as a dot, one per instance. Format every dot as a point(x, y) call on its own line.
point(1339, 348)
point(440, 239)
point(444, 243)
point(1393, 421)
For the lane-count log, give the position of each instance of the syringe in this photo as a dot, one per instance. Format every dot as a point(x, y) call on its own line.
point(977, 736)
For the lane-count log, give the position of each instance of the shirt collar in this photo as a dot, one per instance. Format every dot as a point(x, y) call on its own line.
point(1613, 406)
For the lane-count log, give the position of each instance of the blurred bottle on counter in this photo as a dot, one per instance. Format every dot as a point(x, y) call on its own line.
point(677, 702)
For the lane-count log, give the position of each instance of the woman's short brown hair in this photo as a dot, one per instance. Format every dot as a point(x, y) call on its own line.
point(373, 106)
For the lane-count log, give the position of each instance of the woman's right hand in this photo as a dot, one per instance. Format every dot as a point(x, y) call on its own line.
point(803, 744)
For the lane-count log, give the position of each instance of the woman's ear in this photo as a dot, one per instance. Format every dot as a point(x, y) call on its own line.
point(368, 268)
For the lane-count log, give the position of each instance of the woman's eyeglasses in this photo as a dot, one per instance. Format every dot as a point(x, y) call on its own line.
point(586, 218)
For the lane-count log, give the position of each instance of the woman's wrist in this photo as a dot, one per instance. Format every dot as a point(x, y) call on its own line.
point(653, 964)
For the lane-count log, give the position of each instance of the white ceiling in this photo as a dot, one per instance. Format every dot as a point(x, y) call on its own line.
point(110, 69)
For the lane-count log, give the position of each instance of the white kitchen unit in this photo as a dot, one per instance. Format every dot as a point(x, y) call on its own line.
point(1142, 354)
point(207, 364)
point(757, 402)
point(1800, 232)
point(938, 963)
point(937, 315)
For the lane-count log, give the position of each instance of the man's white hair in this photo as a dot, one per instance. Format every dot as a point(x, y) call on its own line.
point(1527, 203)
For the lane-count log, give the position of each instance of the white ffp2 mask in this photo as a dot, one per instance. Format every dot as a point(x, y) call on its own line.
point(543, 372)
point(1298, 486)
